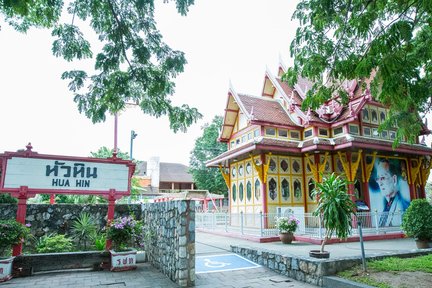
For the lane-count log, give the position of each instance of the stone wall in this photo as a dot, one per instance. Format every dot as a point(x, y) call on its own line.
point(170, 239)
point(58, 218)
point(307, 269)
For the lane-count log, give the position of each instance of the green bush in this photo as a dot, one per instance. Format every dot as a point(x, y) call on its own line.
point(5, 198)
point(417, 220)
point(11, 233)
point(54, 244)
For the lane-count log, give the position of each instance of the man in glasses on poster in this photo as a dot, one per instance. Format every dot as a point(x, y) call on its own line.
point(387, 178)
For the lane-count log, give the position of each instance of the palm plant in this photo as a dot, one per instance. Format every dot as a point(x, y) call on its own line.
point(335, 207)
point(84, 229)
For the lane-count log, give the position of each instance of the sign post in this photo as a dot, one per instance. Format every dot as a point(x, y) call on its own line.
point(27, 173)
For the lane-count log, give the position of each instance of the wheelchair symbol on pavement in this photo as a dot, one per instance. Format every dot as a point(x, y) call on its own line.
point(215, 264)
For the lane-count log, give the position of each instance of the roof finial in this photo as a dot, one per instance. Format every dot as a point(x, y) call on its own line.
point(423, 141)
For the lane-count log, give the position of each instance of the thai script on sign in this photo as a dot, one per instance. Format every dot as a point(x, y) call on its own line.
point(77, 171)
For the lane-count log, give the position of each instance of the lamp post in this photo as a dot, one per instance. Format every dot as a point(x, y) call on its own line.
point(132, 137)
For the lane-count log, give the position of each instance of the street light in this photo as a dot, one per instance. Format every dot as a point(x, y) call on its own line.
point(132, 137)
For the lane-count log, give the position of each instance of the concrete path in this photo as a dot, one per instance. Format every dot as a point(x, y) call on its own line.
point(339, 250)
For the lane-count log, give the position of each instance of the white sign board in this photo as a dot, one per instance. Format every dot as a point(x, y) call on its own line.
point(65, 175)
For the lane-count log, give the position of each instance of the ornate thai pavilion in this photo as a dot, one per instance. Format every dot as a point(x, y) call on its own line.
point(276, 151)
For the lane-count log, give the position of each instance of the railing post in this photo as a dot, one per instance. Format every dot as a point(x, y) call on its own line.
point(261, 224)
point(376, 222)
point(241, 222)
point(320, 228)
point(226, 221)
point(214, 221)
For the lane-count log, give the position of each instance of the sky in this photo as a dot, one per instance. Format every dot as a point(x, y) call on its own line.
point(223, 41)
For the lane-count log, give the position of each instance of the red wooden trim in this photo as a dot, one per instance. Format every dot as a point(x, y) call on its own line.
point(264, 192)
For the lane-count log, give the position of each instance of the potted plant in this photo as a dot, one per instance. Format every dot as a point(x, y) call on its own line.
point(11, 233)
point(123, 233)
point(416, 222)
point(287, 226)
point(335, 209)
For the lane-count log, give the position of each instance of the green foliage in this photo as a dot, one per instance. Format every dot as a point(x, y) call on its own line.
point(100, 241)
point(355, 39)
point(84, 229)
point(6, 198)
point(105, 152)
point(335, 206)
point(416, 221)
point(207, 147)
point(134, 65)
point(124, 232)
point(11, 233)
point(54, 244)
point(428, 191)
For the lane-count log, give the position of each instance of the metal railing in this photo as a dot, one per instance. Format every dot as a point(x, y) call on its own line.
point(263, 225)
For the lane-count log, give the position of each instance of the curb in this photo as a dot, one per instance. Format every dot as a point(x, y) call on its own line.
point(337, 282)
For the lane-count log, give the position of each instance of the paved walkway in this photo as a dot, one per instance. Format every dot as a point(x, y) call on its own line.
point(208, 244)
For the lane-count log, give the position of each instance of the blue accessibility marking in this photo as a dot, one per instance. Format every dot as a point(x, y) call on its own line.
point(220, 263)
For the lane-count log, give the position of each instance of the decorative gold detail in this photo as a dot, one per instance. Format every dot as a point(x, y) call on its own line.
point(415, 172)
point(425, 173)
point(344, 165)
point(262, 168)
point(266, 167)
point(322, 166)
point(369, 166)
point(354, 166)
point(312, 167)
point(226, 176)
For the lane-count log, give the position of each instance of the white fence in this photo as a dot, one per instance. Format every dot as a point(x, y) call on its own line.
point(264, 224)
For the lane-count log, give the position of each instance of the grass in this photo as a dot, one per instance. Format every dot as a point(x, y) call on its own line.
point(422, 263)
point(392, 264)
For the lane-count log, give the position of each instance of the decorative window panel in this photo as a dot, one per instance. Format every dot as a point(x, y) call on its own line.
point(283, 133)
point(295, 135)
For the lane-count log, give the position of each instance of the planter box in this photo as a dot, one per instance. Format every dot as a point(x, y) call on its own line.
point(6, 269)
point(123, 261)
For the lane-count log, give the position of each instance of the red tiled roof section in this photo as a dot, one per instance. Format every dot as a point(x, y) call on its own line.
point(371, 141)
point(264, 110)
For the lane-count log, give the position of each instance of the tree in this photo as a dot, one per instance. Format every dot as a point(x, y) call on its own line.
point(387, 40)
point(133, 66)
point(207, 147)
point(105, 152)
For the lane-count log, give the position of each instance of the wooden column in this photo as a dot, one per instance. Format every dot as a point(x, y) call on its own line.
point(21, 215)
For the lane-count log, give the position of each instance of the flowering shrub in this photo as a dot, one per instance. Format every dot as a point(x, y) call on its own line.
point(11, 233)
point(124, 232)
point(287, 224)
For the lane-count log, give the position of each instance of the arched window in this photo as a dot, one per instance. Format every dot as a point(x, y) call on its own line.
point(272, 189)
point(257, 189)
point(248, 191)
point(234, 192)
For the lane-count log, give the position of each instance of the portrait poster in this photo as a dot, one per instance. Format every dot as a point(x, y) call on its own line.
point(388, 190)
